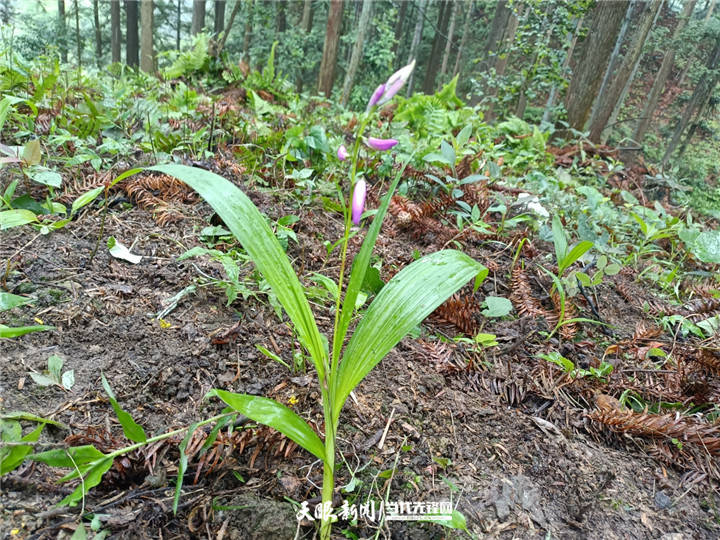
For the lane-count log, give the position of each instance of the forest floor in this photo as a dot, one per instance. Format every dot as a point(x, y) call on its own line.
point(512, 440)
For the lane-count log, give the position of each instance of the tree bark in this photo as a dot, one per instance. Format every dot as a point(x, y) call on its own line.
point(550, 103)
point(592, 61)
point(662, 77)
point(131, 33)
point(198, 17)
point(115, 33)
point(330, 48)
point(280, 17)
point(306, 22)
point(98, 35)
point(226, 30)
point(178, 24)
point(609, 100)
point(77, 34)
point(463, 40)
point(417, 36)
point(357, 50)
point(219, 21)
point(493, 44)
point(437, 47)
point(147, 56)
point(248, 29)
point(62, 31)
point(399, 25)
point(448, 44)
point(702, 91)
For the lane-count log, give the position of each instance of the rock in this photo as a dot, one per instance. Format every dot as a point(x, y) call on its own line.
point(662, 501)
point(257, 518)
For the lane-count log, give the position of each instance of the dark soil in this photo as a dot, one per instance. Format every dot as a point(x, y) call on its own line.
point(507, 441)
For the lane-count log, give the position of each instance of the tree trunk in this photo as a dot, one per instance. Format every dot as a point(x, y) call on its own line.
point(98, 36)
point(463, 40)
point(357, 50)
point(448, 44)
point(592, 61)
point(62, 31)
point(280, 17)
point(248, 29)
point(178, 24)
point(226, 30)
point(147, 56)
point(502, 55)
point(219, 25)
point(399, 25)
point(306, 25)
point(115, 33)
point(417, 36)
point(550, 103)
point(493, 44)
point(626, 87)
point(77, 34)
point(437, 48)
point(611, 98)
point(547, 28)
point(198, 17)
point(662, 77)
point(131, 33)
point(330, 48)
point(703, 89)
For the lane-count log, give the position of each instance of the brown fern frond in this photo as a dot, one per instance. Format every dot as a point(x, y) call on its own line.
point(460, 311)
point(522, 296)
point(161, 195)
point(701, 306)
point(709, 358)
point(78, 186)
point(663, 426)
point(567, 331)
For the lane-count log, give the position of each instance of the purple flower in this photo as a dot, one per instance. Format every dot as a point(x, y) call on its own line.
point(342, 153)
point(395, 83)
point(358, 201)
point(377, 94)
point(380, 144)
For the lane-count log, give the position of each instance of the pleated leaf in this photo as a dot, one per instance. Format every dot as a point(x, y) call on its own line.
point(401, 305)
point(278, 416)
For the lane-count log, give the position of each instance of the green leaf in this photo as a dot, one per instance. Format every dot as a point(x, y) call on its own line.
point(457, 521)
point(80, 533)
point(119, 251)
point(9, 301)
point(92, 479)
point(32, 153)
point(706, 247)
point(30, 417)
point(575, 253)
point(402, 304)
point(559, 239)
point(45, 176)
point(12, 457)
point(86, 198)
point(182, 465)
point(278, 416)
point(132, 431)
point(69, 457)
point(68, 379)
point(462, 137)
point(55, 364)
point(17, 331)
point(250, 227)
point(448, 153)
point(42, 380)
point(15, 218)
point(497, 306)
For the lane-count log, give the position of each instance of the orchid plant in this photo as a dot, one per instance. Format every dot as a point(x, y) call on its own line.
point(408, 298)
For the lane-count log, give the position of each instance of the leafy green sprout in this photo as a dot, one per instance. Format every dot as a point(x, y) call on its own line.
point(568, 366)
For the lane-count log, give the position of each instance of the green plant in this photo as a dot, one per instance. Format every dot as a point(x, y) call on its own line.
point(9, 301)
point(600, 373)
point(55, 375)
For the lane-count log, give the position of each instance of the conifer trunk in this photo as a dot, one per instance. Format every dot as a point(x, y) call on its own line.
point(363, 26)
point(330, 48)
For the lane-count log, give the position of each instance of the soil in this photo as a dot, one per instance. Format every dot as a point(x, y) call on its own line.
point(507, 440)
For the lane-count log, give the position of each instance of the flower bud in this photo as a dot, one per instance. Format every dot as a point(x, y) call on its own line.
point(342, 153)
point(377, 94)
point(358, 201)
point(380, 144)
point(396, 82)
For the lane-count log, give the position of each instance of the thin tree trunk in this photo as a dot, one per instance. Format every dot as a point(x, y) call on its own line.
point(248, 29)
point(62, 31)
point(77, 34)
point(306, 25)
point(592, 61)
point(226, 31)
point(416, 42)
point(703, 89)
point(198, 17)
point(178, 24)
point(280, 19)
point(494, 41)
point(98, 36)
point(437, 48)
point(131, 33)
point(502, 55)
point(115, 33)
point(550, 103)
point(399, 24)
point(662, 77)
point(547, 26)
point(219, 22)
point(611, 98)
point(448, 44)
point(147, 55)
point(330, 48)
point(362, 29)
point(463, 40)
